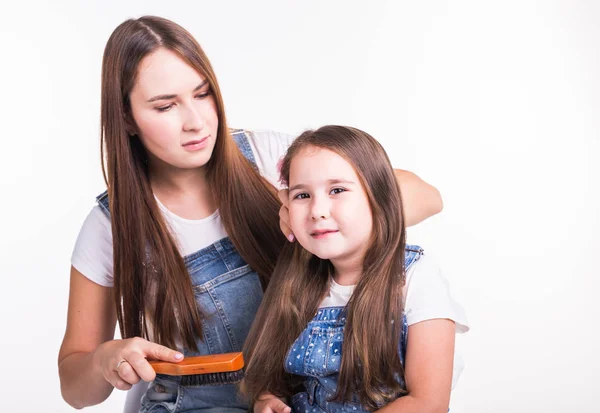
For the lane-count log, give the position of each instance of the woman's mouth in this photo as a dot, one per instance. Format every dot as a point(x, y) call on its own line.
point(195, 145)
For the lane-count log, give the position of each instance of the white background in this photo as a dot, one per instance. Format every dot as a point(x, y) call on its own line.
point(495, 103)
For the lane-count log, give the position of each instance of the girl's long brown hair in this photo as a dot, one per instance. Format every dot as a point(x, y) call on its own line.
point(370, 364)
point(151, 283)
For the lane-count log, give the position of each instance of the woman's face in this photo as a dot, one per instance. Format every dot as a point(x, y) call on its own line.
point(174, 112)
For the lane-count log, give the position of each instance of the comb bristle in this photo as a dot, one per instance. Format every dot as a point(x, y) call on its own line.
point(230, 377)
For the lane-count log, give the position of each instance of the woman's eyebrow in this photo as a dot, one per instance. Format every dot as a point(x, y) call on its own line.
point(167, 97)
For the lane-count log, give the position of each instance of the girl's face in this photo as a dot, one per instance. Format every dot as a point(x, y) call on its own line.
point(174, 112)
point(329, 210)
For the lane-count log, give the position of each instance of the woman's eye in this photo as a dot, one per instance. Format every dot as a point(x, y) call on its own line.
point(202, 95)
point(337, 191)
point(164, 108)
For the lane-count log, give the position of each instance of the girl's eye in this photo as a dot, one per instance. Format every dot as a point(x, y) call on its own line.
point(301, 195)
point(337, 191)
point(165, 108)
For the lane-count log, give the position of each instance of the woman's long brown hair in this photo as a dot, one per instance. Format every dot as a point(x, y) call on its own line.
point(151, 284)
point(370, 364)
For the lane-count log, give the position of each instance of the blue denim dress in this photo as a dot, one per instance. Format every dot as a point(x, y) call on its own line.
point(229, 292)
point(317, 353)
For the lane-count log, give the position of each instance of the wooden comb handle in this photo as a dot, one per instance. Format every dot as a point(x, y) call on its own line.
point(212, 363)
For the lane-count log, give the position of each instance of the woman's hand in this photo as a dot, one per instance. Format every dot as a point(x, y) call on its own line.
point(269, 403)
point(284, 215)
point(124, 362)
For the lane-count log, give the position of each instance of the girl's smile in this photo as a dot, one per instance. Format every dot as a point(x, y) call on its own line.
point(322, 233)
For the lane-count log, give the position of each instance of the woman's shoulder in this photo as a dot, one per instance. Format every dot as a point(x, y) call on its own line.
point(97, 220)
point(92, 254)
point(270, 141)
point(269, 148)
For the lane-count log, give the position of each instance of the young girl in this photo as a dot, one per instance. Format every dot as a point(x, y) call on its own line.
point(180, 247)
point(354, 319)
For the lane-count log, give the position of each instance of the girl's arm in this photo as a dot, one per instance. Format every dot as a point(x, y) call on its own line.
point(428, 368)
point(420, 200)
point(88, 356)
point(269, 403)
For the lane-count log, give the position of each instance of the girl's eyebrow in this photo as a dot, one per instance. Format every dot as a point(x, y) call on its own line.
point(329, 181)
point(340, 181)
point(167, 97)
point(299, 186)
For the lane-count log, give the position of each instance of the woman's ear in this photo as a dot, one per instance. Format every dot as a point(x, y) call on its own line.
point(130, 126)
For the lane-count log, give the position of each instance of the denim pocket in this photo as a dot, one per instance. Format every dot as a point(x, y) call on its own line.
point(230, 302)
point(161, 397)
point(324, 353)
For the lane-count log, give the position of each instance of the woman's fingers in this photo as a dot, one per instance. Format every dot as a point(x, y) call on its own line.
point(138, 359)
point(122, 385)
point(113, 376)
point(283, 195)
point(132, 370)
point(126, 361)
point(284, 215)
point(155, 351)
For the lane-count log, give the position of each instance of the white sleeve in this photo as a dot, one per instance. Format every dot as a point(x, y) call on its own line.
point(428, 295)
point(269, 148)
point(93, 252)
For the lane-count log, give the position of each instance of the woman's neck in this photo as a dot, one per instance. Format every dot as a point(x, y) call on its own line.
point(184, 192)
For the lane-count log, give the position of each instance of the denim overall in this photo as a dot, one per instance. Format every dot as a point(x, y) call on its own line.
point(317, 352)
point(229, 293)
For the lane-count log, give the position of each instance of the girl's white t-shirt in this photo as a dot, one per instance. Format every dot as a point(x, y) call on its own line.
point(426, 296)
point(93, 252)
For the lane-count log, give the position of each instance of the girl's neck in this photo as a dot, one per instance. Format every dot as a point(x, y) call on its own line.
point(347, 272)
point(184, 192)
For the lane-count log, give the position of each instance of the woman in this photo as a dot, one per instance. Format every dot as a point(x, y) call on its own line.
point(181, 246)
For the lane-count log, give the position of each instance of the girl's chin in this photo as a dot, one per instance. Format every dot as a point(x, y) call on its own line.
point(325, 255)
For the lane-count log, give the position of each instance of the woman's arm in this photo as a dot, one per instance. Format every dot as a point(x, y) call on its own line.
point(428, 368)
point(91, 321)
point(420, 200)
point(88, 356)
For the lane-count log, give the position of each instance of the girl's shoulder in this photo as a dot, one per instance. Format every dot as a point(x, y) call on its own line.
point(428, 294)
